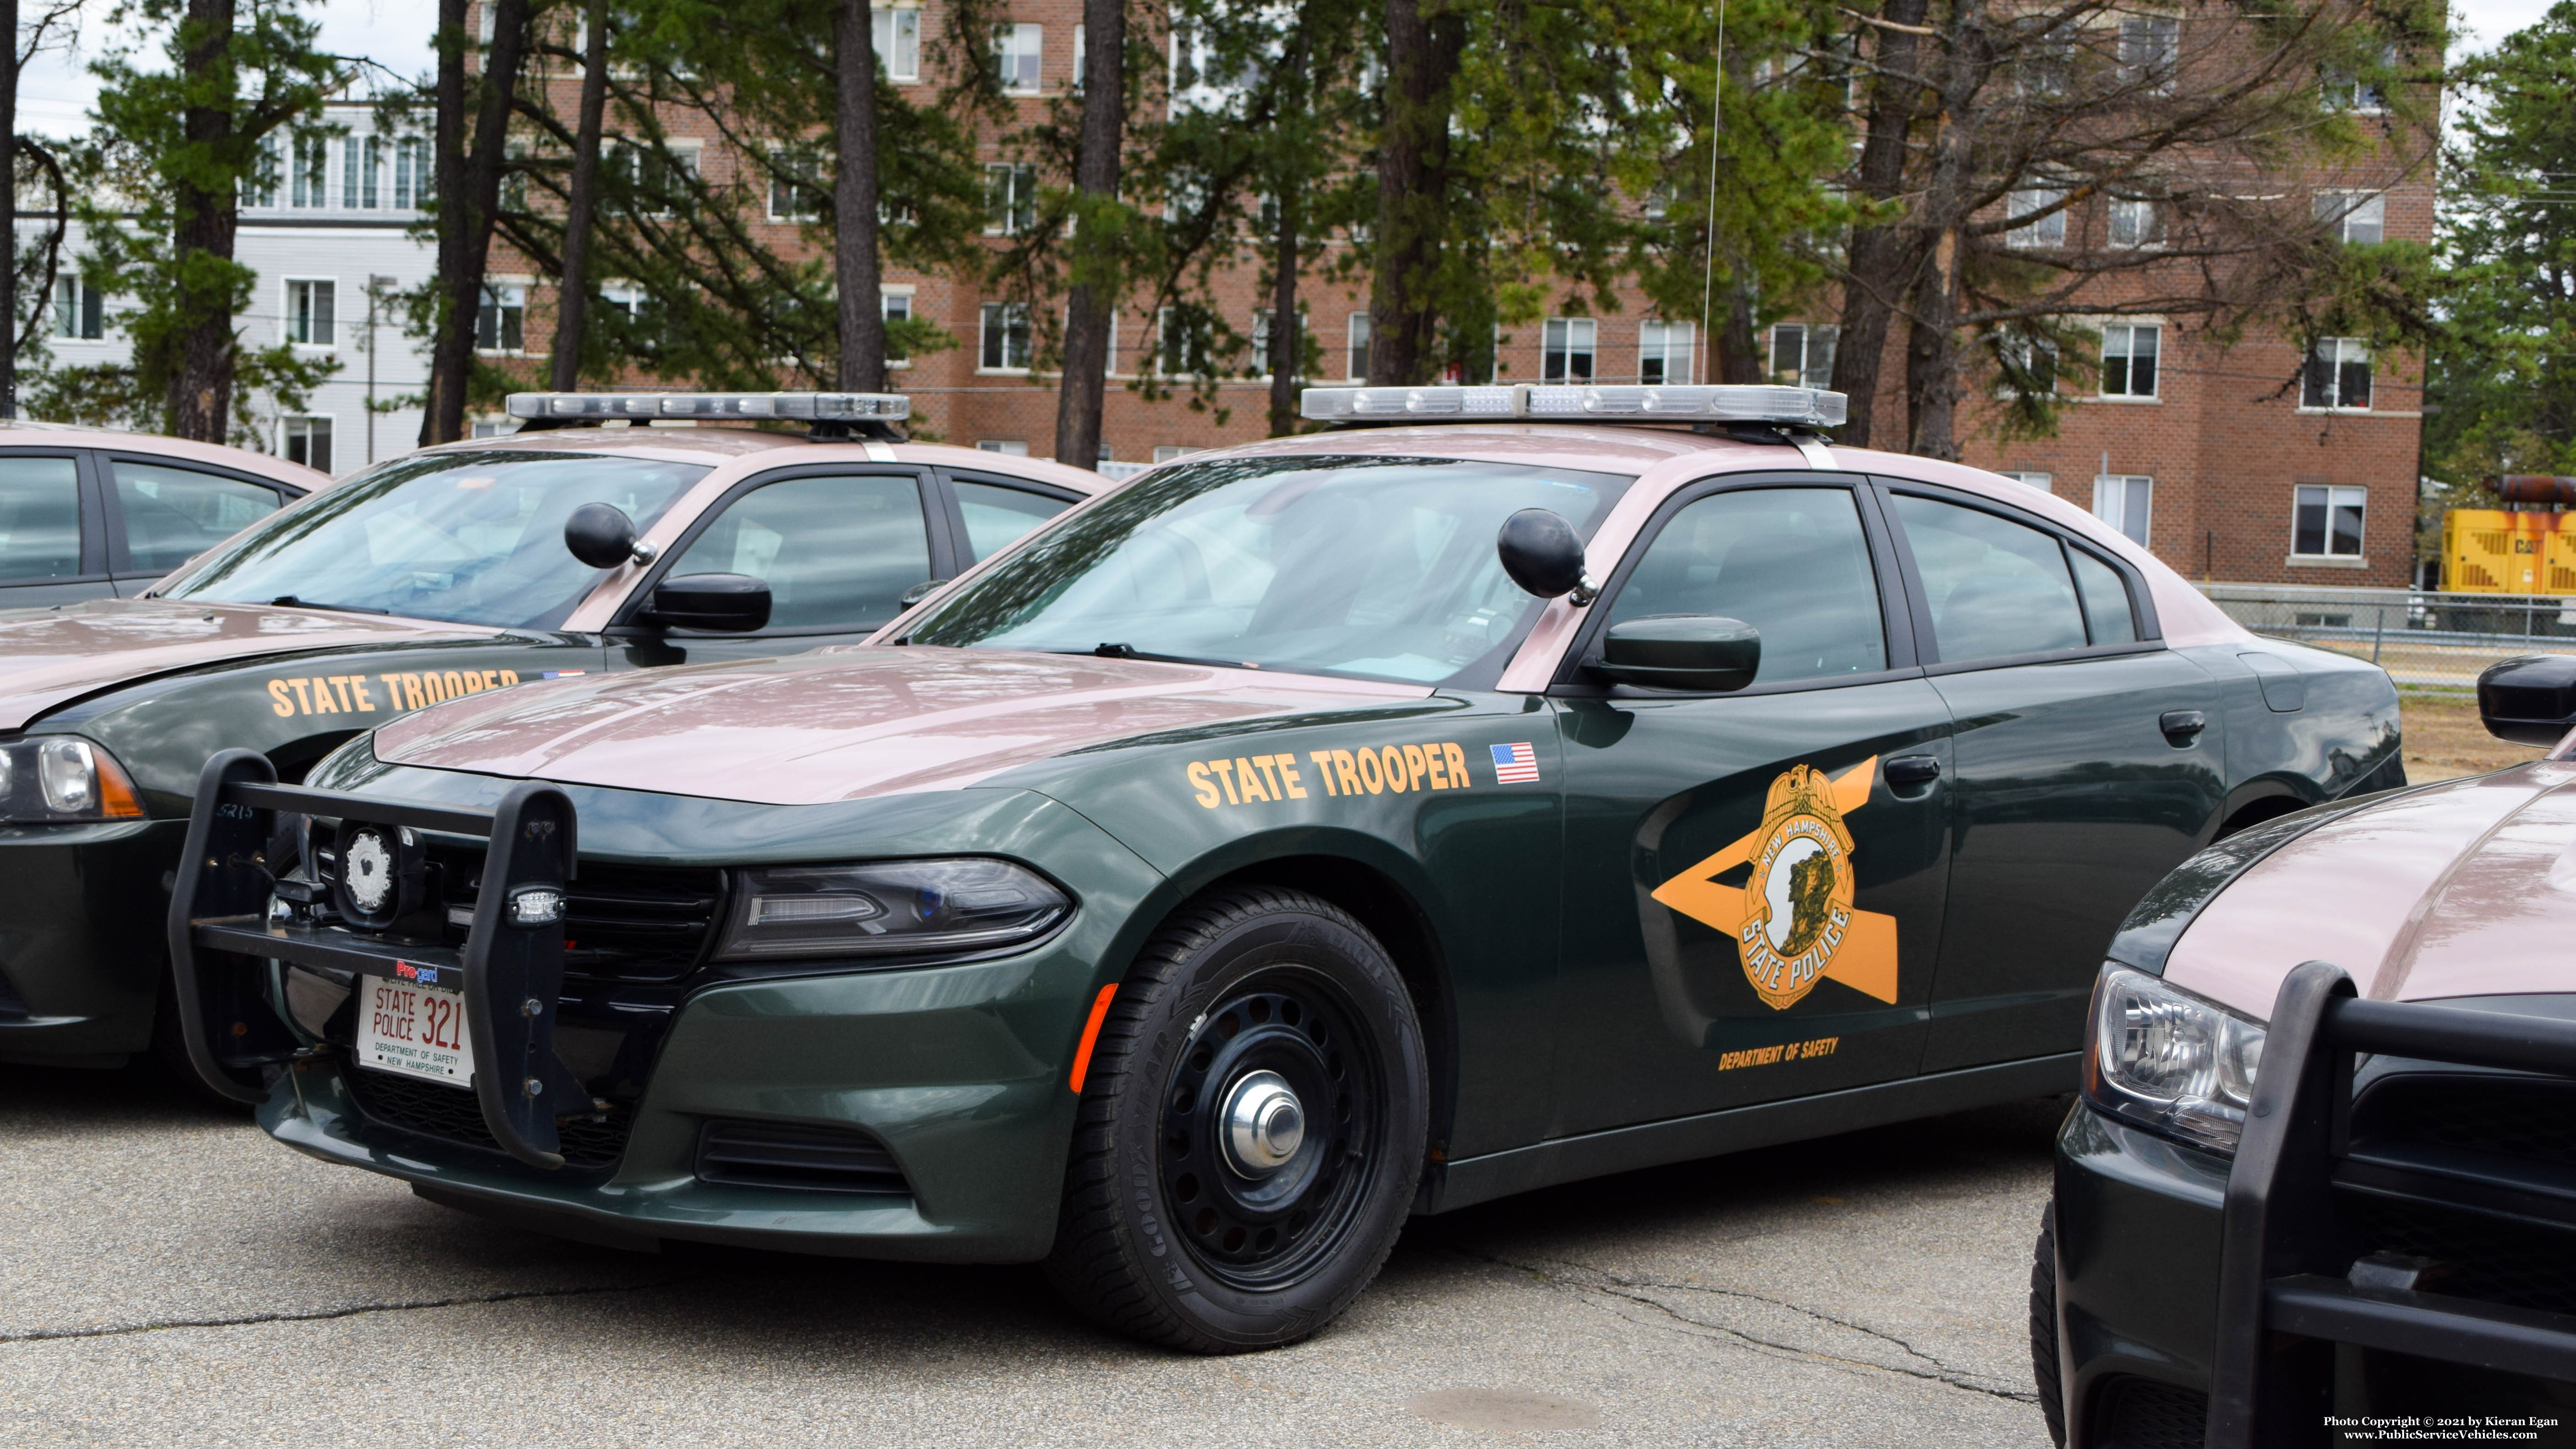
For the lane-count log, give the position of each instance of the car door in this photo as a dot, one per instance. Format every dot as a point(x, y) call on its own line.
point(53, 540)
point(2088, 764)
point(839, 545)
point(161, 514)
point(991, 513)
point(1754, 881)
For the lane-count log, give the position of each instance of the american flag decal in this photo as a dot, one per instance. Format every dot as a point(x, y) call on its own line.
point(1515, 764)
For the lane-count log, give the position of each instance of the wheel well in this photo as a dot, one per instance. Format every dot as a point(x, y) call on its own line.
point(2255, 812)
point(296, 758)
point(1390, 914)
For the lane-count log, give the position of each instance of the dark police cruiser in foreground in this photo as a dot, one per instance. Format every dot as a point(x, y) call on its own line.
point(448, 572)
point(1300, 836)
point(2324, 1163)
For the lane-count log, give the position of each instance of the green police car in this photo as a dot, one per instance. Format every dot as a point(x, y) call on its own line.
point(1501, 786)
point(444, 573)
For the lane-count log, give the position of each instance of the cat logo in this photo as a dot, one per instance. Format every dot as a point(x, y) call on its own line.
point(1793, 921)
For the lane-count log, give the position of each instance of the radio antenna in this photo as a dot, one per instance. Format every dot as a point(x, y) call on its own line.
point(1708, 261)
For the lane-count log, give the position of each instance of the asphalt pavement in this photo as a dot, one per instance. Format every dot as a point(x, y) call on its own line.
point(169, 1276)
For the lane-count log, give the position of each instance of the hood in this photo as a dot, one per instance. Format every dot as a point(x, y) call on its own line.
point(875, 720)
point(2467, 888)
point(50, 656)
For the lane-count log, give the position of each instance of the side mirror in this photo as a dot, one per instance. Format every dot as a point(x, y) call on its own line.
point(600, 535)
point(2531, 700)
point(720, 603)
point(1541, 553)
point(1682, 651)
point(917, 593)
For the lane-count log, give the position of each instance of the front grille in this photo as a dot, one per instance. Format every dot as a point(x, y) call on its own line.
point(2145, 1414)
point(2502, 1128)
point(447, 1114)
point(2490, 1259)
point(810, 1159)
point(621, 922)
point(2507, 1116)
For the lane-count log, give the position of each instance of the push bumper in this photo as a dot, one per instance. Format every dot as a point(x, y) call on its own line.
point(80, 939)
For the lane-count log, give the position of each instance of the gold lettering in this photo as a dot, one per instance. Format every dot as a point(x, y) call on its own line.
point(277, 692)
point(1324, 769)
point(1457, 767)
point(451, 686)
point(303, 703)
point(1370, 776)
point(1205, 787)
point(1439, 780)
point(1344, 771)
point(1225, 775)
point(1415, 767)
point(491, 679)
point(509, 676)
point(1266, 762)
point(1247, 778)
point(1392, 762)
point(1288, 772)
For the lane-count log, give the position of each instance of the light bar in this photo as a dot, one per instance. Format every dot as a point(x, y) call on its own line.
point(818, 407)
point(1797, 407)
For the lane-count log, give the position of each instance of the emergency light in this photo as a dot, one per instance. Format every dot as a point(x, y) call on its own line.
point(1795, 407)
point(811, 407)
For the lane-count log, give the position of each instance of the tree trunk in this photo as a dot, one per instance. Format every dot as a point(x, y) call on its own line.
point(200, 396)
point(468, 207)
point(1423, 51)
point(9, 210)
point(1881, 256)
point(1288, 191)
point(1932, 344)
point(1739, 350)
point(1091, 310)
point(862, 365)
point(572, 303)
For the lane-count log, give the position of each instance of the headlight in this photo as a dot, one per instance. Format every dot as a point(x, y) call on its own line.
point(894, 907)
point(2169, 1061)
point(57, 779)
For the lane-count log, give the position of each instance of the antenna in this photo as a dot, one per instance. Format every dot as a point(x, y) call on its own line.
point(1708, 260)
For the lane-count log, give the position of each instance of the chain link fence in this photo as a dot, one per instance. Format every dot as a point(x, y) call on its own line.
point(2430, 640)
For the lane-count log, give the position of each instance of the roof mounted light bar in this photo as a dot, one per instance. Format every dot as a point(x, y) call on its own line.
point(803, 407)
point(1790, 407)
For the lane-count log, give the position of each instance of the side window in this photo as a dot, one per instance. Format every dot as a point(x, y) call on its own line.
point(836, 552)
point(1792, 562)
point(174, 514)
point(40, 535)
point(2107, 613)
point(997, 516)
point(1996, 588)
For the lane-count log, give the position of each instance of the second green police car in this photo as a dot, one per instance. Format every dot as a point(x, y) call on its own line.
point(1304, 835)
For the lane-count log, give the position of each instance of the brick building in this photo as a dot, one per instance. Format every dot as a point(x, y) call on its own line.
point(2242, 463)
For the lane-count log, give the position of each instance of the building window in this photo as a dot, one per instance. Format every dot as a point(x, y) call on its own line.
point(898, 43)
point(1008, 447)
point(1181, 340)
point(1166, 452)
point(796, 189)
point(1005, 337)
point(1015, 52)
point(2129, 361)
point(2353, 216)
point(307, 441)
point(1261, 340)
point(362, 164)
point(2027, 365)
point(2338, 374)
point(2136, 222)
point(2345, 91)
point(1565, 349)
point(411, 173)
point(2044, 482)
point(895, 306)
point(80, 313)
point(2326, 522)
point(2150, 50)
point(500, 324)
point(1664, 351)
point(308, 313)
point(1010, 198)
point(1802, 354)
point(308, 175)
point(2044, 217)
point(2124, 501)
point(1359, 346)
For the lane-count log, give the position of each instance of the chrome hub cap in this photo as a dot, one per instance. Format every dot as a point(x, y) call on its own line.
point(1264, 1124)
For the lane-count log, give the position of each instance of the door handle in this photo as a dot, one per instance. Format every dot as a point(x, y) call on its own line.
point(2182, 725)
point(1913, 770)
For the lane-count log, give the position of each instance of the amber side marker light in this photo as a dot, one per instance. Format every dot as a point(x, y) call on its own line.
point(1091, 1033)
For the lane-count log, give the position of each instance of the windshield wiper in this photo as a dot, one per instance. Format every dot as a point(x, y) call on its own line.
point(1130, 651)
point(289, 601)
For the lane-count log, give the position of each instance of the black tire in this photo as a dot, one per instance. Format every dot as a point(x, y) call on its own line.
point(1165, 1234)
point(2043, 1327)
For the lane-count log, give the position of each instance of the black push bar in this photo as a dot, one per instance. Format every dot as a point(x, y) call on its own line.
point(2284, 1299)
point(510, 968)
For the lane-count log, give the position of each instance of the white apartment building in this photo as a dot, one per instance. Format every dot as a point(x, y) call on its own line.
point(331, 245)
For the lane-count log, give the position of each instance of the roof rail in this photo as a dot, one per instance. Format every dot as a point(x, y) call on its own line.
point(1788, 407)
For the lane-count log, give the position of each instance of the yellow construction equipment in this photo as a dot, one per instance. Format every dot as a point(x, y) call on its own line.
point(2504, 551)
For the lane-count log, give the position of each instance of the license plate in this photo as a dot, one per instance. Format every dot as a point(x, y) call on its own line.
point(415, 1031)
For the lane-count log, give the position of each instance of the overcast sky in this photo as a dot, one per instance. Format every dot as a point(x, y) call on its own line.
point(55, 92)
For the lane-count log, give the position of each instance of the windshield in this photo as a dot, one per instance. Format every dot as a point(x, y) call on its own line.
point(470, 538)
point(1382, 568)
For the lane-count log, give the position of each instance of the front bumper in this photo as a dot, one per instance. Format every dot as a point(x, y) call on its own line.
point(952, 1068)
point(81, 948)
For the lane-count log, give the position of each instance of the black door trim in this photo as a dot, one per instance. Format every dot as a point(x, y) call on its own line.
point(934, 515)
point(2142, 607)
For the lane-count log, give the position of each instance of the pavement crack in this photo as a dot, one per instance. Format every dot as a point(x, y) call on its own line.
point(1579, 1279)
point(318, 1315)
